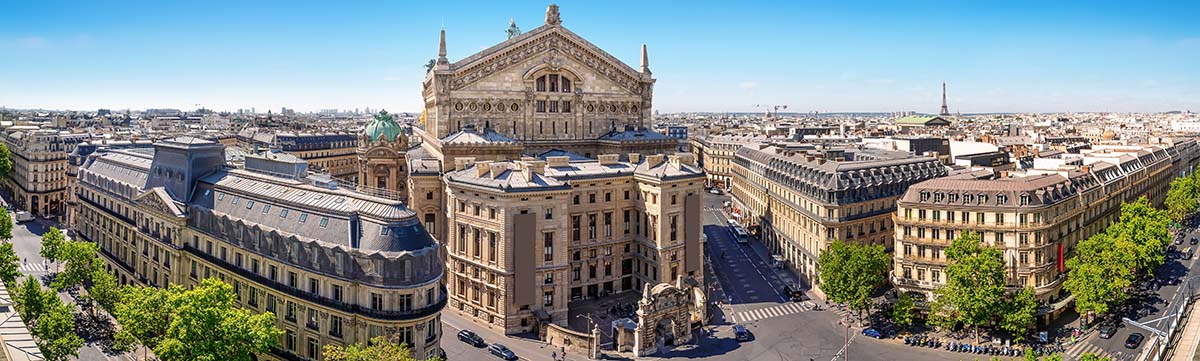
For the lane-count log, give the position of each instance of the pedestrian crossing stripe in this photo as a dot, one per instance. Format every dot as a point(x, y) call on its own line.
point(32, 267)
point(1081, 348)
point(771, 312)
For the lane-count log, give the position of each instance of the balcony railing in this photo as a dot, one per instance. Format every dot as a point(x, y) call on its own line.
point(326, 302)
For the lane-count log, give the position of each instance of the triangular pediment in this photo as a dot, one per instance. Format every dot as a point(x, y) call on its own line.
point(158, 200)
point(555, 44)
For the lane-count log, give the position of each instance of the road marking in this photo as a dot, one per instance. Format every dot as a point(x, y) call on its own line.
point(743, 251)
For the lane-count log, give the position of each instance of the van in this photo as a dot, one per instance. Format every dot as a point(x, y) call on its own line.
point(23, 216)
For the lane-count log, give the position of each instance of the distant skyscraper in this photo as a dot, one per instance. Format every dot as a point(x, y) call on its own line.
point(945, 109)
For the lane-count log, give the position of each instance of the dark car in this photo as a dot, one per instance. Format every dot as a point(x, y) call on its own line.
point(1107, 331)
point(793, 293)
point(471, 338)
point(740, 333)
point(1194, 241)
point(502, 352)
point(1134, 340)
point(870, 332)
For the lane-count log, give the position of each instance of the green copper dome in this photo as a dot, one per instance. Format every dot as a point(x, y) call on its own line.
point(383, 126)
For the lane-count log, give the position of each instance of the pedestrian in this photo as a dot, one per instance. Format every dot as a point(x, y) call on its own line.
point(554, 355)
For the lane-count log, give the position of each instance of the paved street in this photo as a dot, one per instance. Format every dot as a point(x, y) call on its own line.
point(1144, 307)
point(27, 241)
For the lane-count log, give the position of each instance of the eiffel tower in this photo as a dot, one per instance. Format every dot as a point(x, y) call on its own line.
point(945, 109)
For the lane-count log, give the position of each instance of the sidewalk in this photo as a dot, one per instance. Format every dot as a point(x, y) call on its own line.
point(1185, 349)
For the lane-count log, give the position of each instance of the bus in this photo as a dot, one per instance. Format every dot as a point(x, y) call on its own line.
point(741, 235)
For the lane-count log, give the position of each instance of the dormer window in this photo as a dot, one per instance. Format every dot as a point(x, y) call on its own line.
point(1024, 199)
point(1001, 199)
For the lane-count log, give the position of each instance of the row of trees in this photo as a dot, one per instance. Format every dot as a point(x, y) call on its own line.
point(1182, 196)
point(200, 323)
point(1106, 264)
point(976, 292)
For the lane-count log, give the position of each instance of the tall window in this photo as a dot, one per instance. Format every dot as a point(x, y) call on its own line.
point(548, 246)
point(491, 246)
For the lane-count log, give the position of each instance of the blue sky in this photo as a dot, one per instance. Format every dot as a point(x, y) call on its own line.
point(997, 56)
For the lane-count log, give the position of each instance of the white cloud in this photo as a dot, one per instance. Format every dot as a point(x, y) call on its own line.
point(747, 85)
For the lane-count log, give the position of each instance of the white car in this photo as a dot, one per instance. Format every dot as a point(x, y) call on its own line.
point(23, 216)
point(715, 191)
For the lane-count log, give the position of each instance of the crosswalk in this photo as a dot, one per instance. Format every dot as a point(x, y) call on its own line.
point(32, 267)
point(773, 311)
point(1080, 348)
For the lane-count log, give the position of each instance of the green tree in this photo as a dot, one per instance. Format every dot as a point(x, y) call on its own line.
point(974, 281)
point(6, 224)
point(104, 290)
point(55, 331)
point(904, 310)
point(30, 300)
point(850, 272)
point(10, 264)
point(1099, 273)
point(81, 261)
point(1182, 197)
point(1053, 357)
point(1029, 355)
point(380, 349)
point(5, 161)
point(170, 321)
point(1019, 313)
point(1147, 228)
point(52, 242)
point(143, 316)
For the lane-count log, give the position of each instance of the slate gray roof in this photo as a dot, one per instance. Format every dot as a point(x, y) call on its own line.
point(634, 135)
point(469, 136)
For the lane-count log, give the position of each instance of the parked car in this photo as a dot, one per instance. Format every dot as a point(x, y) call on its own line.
point(1187, 254)
point(740, 333)
point(715, 191)
point(1107, 331)
point(471, 338)
point(23, 216)
point(1134, 340)
point(502, 352)
point(870, 332)
point(1194, 241)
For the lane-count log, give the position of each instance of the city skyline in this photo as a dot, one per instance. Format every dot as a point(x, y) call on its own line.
point(862, 57)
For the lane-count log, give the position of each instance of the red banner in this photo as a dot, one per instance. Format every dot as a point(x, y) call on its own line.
point(1061, 264)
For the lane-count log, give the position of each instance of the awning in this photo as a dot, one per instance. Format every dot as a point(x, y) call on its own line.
point(541, 315)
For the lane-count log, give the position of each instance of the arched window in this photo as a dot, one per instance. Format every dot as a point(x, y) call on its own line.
point(554, 83)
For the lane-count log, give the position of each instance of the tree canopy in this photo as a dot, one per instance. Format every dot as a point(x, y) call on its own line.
point(6, 164)
point(6, 224)
point(10, 264)
point(1019, 313)
point(975, 285)
point(52, 242)
point(1104, 265)
point(850, 272)
point(179, 324)
point(379, 349)
point(81, 259)
point(1182, 196)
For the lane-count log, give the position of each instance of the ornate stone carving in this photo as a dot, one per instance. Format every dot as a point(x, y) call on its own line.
point(560, 48)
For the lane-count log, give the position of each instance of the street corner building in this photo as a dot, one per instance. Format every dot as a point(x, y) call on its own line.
point(528, 237)
point(1036, 216)
point(335, 266)
point(800, 197)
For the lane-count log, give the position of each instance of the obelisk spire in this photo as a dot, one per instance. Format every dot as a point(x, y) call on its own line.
point(442, 48)
point(645, 60)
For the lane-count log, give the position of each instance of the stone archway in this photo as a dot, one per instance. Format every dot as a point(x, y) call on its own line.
point(665, 315)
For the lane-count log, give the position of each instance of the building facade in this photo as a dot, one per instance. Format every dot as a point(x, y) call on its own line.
point(335, 267)
point(798, 198)
point(39, 170)
point(547, 88)
point(716, 155)
point(1036, 218)
point(525, 238)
